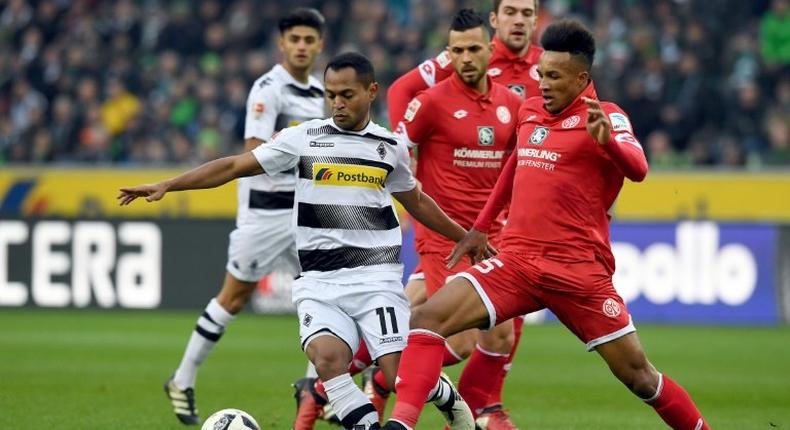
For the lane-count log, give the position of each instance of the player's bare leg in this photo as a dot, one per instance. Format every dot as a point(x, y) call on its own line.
point(454, 308)
point(210, 326)
point(628, 362)
point(331, 357)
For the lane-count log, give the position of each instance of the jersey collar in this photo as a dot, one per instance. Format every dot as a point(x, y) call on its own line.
point(282, 71)
point(471, 92)
point(502, 51)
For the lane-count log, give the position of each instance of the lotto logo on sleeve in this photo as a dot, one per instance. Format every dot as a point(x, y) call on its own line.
point(349, 175)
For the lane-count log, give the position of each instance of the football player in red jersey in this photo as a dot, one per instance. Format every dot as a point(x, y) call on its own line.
point(464, 128)
point(573, 154)
point(513, 63)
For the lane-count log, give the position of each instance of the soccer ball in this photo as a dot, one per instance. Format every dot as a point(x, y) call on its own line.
point(230, 419)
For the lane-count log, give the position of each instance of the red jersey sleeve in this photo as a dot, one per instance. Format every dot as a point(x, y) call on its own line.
point(417, 122)
point(624, 149)
point(422, 77)
point(500, 196)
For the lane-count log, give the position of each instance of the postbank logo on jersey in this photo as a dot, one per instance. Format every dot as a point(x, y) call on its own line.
point(485, 135)
point(349, 175)
point(538, 135)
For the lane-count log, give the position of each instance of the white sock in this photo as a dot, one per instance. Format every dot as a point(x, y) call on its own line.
point(208, 331)
point(440, 393)
point(311, 372)
point(349, 402)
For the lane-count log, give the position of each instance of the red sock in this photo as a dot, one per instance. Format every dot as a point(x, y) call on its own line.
point(380, 381)
point(474, 385)
point(674, 405)
point(419, 369)
point(450, 357)
point(361, 360)
point(499, 381)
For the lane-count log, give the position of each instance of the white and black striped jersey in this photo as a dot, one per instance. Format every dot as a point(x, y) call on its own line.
point(347, 229)
point(276, 101)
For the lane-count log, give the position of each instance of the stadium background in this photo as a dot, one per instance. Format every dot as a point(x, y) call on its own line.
point(99, 94)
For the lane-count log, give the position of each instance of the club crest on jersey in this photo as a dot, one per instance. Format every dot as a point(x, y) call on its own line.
point(503, 115)
point(485, 135)
point(611, 308)
point(518, 89)
point(460, 114)
point(538, 135)
point(494, 71)
point(411, 109)
point(533, 72)
point(571, 121)
point(382, 150)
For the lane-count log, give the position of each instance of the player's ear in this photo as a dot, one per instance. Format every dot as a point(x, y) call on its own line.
point(281, 42)
point(373, 90)
point(492, 19)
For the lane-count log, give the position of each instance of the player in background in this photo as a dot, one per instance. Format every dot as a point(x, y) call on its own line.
point(573, 154)
point(464, 130)
point(263, 239)
point(514, 64)
point(347, 236)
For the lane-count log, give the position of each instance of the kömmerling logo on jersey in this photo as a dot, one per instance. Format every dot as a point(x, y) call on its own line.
point(349, 175)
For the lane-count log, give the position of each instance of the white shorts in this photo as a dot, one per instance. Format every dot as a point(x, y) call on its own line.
point(258, 250)
point(378, 312)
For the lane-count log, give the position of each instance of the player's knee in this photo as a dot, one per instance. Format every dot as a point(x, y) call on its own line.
point(640, 378)
point(330, 363)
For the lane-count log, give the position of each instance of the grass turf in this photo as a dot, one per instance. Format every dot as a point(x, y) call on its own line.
point(102, 370)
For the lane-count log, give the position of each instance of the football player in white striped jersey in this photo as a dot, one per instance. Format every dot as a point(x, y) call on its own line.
point(262, 241)
point(347, 235)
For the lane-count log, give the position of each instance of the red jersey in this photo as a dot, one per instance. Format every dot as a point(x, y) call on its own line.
point(464, 138)
point(519, 73)
point(562, 183)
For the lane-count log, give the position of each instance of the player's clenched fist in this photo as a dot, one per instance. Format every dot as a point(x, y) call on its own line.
point(597, 123)
point(151, 192)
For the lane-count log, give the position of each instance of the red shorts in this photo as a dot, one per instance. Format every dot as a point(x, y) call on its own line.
point(436, 273)
point(417, 274)
point(580, 294)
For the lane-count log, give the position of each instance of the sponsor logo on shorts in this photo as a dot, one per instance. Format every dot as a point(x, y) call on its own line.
point(611, 308)
point(348, 175)
point(392, 339)
point(307, 320)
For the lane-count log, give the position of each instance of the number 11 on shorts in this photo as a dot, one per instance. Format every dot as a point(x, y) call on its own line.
point(383, 320)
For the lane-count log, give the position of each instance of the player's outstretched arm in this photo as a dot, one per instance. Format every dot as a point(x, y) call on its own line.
point(207, 175)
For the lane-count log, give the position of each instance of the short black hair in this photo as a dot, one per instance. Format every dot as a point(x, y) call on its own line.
point(570, 36)
point(360, 63)
point(306, 16)
point(466, 19)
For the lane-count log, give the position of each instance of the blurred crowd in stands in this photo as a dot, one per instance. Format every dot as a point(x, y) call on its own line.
point(149, 82)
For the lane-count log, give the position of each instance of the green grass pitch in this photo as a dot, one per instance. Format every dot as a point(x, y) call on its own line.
point(105, 370)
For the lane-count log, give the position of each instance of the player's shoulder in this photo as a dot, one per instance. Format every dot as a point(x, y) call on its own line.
point(504, 93)
point(383, 133)
point(436, 69)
